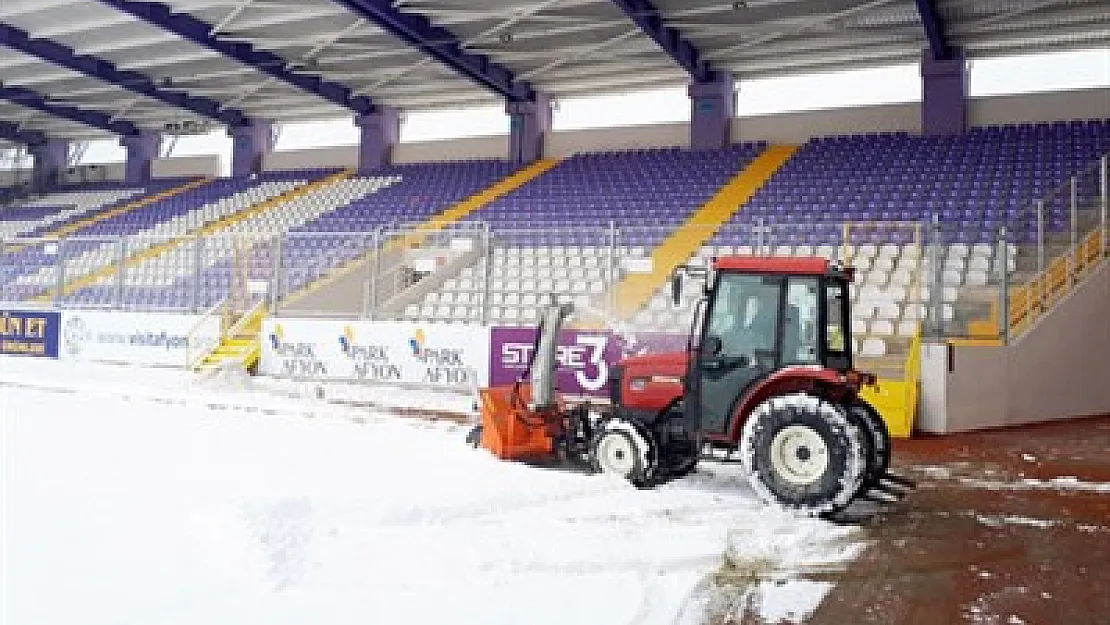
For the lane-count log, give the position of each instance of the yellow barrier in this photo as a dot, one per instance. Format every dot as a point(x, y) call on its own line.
point(896, 400)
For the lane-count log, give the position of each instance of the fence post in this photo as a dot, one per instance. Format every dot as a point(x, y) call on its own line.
point(60, 263)
point(279, 267)
point(1104, 201)
point(1074, 217)
point(487, 274)
point(1040, 254)
point(375, 267)
point(611, 274)
point(198, 272)
point(121, 254)
point(936, 280)
point(1002, 251)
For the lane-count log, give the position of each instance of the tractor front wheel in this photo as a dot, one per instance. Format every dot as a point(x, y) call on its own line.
point(804, 454)
point(624, 448)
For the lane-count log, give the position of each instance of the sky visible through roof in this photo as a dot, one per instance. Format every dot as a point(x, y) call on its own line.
point(884, 85)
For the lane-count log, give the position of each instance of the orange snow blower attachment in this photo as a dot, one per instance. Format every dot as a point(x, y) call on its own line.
point(525, 421)
point(513, 431)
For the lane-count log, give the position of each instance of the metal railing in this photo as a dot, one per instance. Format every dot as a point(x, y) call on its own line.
point(474, 271)
point(1072, 238)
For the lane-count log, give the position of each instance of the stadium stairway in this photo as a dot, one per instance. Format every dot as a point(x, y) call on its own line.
point(636, 289)
point(241, 343)
point(214, 227)
point(335, 289)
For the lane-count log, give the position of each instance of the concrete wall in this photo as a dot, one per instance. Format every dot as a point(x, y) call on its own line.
point(1040, 107)
point(798, 127)
point(469, 148)
point(568, 142)
point(12, 177)
point(1059, 369)
point(338, 156)
point(186, 166)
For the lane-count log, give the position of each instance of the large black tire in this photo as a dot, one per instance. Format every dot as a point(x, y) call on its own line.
point(624, 448)
point(803, 454)
point(878, 441)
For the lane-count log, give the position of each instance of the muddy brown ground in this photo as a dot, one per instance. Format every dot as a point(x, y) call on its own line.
point(1007, 527)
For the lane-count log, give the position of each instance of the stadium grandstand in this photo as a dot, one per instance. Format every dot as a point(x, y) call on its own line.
point(218, 217)
point(955, 210)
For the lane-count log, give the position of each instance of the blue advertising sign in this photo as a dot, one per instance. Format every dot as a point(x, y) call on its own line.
point(29, 333)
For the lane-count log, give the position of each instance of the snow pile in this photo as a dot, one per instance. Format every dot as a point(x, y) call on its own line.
point(123, 506)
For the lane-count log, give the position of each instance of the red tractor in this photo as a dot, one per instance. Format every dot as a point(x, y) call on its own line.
point(767, 372)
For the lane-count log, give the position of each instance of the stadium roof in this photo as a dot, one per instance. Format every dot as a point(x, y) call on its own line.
point(89, 68)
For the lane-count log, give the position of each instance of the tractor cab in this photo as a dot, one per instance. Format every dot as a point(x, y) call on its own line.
point(761, 316)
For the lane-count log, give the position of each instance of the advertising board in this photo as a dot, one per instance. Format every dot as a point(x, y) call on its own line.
point(29, 333)
point(155, 339)
point(585, 357)
point(452, 356)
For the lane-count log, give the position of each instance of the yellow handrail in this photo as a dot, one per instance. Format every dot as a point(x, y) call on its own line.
point(1030, 301)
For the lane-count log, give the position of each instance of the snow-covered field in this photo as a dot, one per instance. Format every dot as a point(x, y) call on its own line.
point(137, 497)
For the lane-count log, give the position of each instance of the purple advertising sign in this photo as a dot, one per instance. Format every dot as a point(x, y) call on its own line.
point(585, 357)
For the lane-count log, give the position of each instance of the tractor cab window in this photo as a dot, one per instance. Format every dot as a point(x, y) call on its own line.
point(836, 327)
point(799, 337)
point(744, 315)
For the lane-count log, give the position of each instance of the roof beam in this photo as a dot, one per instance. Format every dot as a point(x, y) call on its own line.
point(648, 18)
point(201, 34)
point(100, 69)
point(12, 132)
point(96, 119)
point(935, 30)
point(442, 45)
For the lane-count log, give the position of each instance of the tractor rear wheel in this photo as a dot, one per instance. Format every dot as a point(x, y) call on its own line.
point(804, 454)
point(878, 444)
point(624, 448)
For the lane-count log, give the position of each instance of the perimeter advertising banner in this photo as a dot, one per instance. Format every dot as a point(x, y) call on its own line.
point(157, 339)
point(452, 356)
point(585, 357)
point(29, 333)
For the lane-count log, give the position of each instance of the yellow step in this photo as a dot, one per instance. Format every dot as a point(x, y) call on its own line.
point(449, 216)
point(635, 290)
point(111, 271)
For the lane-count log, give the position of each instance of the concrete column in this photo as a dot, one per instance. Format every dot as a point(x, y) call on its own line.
point(529, 122)
point(943, 94)
point(379, 131)
point(250, 143)
point(712, 107)
point(142, 149)
point(51, 159)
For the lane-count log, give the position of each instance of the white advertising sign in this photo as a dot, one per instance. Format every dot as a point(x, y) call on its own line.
point(428, 354)
point(160, 339)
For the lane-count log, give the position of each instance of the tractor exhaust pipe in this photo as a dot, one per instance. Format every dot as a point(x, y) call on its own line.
point(544, 358)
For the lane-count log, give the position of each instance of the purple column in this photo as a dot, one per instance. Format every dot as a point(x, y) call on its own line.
point(249, 144)
point(50, 160)
point(943, 94)
point(142, 149)
point(528, 123)
point(712, 106)
point(378, 133)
